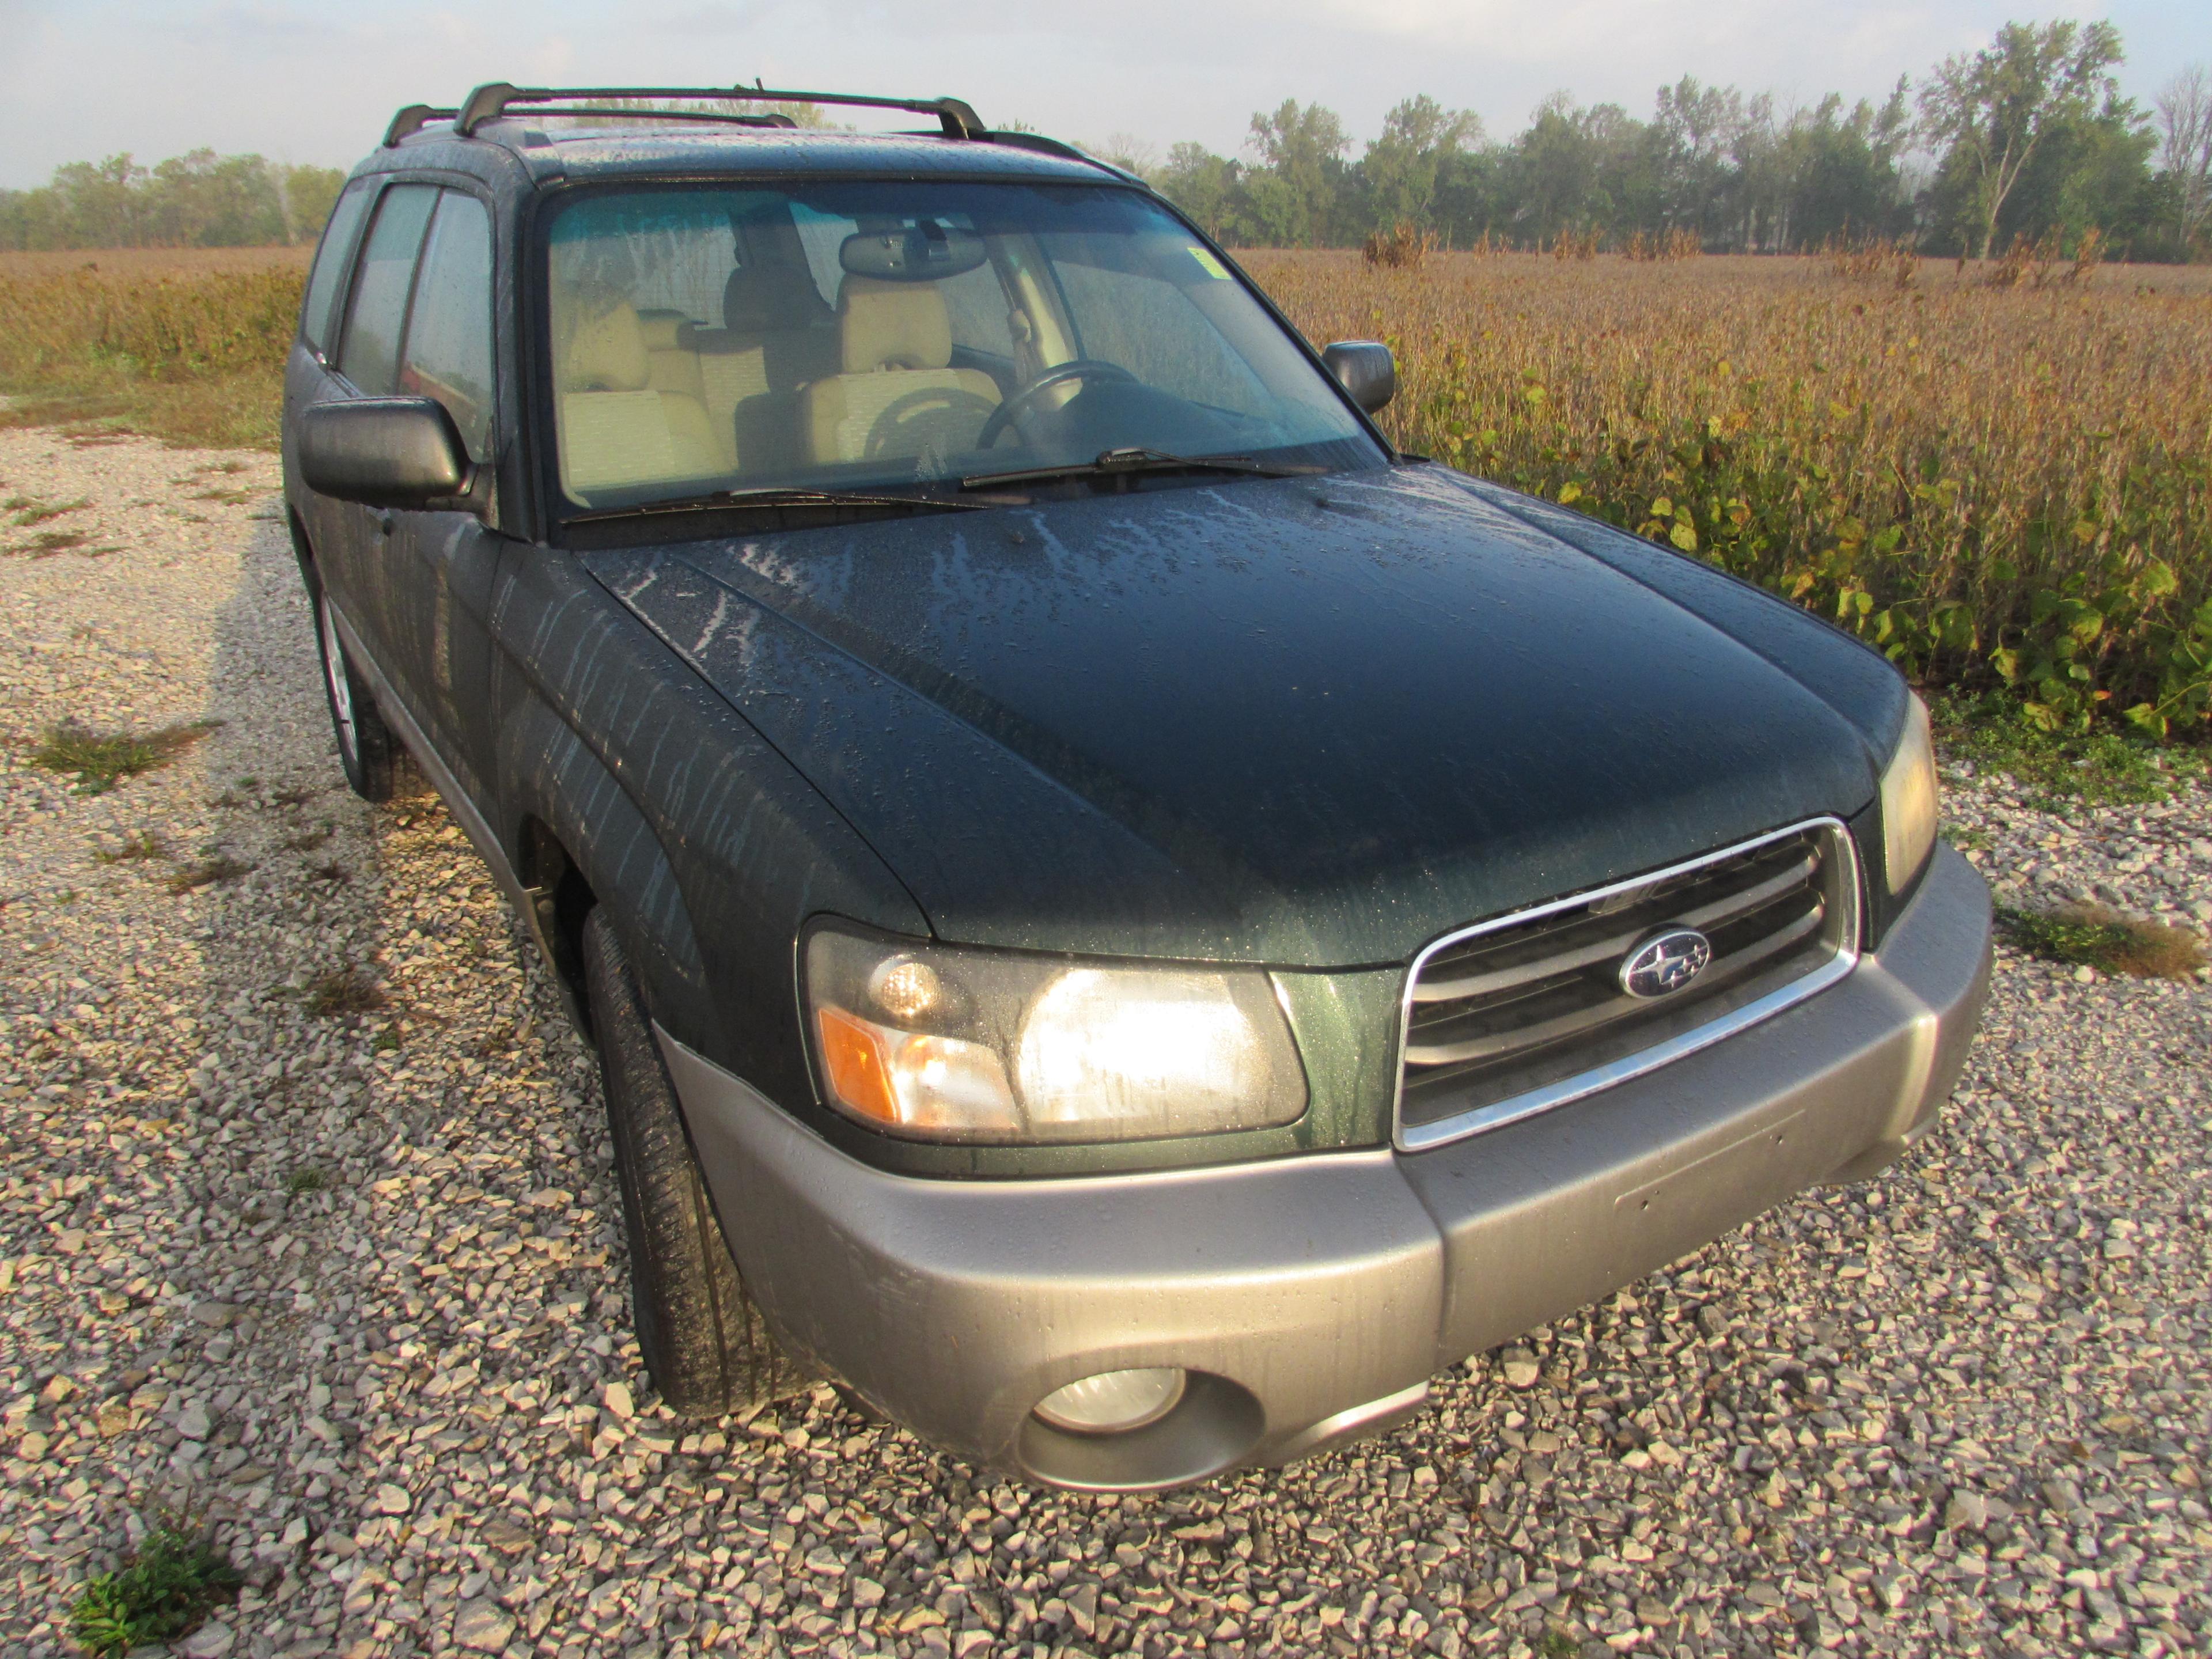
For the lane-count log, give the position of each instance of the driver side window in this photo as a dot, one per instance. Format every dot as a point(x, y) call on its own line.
point(978, 305)
point(1150, 328)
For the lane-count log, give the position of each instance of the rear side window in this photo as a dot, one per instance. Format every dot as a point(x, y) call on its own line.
point(370, 354)
point(448, 347)
point(331, 262)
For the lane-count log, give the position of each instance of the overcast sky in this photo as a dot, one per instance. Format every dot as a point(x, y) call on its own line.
point(313, 81)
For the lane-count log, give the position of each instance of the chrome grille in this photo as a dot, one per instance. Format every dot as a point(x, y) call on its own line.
point(1527, 1011)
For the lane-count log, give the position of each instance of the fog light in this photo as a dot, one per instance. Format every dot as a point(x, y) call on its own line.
point(1114, 1402)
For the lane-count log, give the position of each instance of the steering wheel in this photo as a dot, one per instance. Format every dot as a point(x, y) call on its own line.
point(1080, 368)
point(933, 412)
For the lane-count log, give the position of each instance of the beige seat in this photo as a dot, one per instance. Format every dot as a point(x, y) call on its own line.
point(617, 428)
point(777, 335)
point(671, 347)
point(898, 395)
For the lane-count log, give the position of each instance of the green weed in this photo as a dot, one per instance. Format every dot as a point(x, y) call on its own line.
point(145, 844)
point(308, 1179)
point(2091, 936)
point(163, 1590)
point(207, 873)
point(100, 761)
point(28, 510)
point(346, 991)
point(2104, 766)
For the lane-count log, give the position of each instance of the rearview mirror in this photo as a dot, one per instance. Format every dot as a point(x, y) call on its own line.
point(384, 451)
point(922, 253)
point(1365, 369)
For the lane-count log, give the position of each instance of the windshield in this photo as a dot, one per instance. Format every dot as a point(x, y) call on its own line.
point(855, 336)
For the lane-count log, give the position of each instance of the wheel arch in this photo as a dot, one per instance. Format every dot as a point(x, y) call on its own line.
point(579, 843)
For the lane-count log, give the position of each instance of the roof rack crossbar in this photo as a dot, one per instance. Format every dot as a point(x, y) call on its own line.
point(411, 120)
point(774, 118)
point(489, 103)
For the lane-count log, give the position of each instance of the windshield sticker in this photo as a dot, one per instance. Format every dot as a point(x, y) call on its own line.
point(1207, 263)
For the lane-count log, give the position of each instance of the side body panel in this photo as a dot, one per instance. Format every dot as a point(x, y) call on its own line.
point(711, 850)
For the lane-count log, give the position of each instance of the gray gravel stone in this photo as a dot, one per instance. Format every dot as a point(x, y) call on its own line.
point(425, 1416)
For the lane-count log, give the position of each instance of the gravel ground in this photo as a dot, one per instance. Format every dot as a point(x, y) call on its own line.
point(307, 1230)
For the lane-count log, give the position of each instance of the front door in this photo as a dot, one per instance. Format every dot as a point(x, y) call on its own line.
point(443, 564)
point(352, 542)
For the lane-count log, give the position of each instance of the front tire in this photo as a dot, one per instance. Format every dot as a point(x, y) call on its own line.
point(704, 1342)
point(369, 749)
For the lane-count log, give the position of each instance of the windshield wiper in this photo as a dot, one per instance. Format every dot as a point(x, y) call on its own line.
point(797, 495)
point(1138, 459)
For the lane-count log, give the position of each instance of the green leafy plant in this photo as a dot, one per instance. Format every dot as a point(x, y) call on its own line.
point(2105, 764)
point(163, 1590)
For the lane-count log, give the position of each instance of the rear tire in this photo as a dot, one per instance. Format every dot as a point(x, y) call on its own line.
point(704, 1342)
point(369, 749)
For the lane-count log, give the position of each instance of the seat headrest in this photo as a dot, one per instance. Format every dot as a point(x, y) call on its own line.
point(767, 298)
point(892, 325)
point(607, 354)
point(666, 330)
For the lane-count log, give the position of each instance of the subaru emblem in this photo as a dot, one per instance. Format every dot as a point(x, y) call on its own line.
point(1664, 963)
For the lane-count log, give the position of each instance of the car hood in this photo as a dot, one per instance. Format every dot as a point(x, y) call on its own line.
point(1307, 722)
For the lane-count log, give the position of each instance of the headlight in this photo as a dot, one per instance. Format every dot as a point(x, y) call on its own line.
point(1908, 800)
point(946, 1044)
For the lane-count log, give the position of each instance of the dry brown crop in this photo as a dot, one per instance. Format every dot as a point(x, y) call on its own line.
point(138, 264)
point(1995, 484)
point(2006, 485)
point(189, 349)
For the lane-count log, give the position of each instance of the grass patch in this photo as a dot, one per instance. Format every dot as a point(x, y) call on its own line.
point(146, 844)
point(206, 872)
point(346, 991)
point(100, 760)
point(2091, 936)
point(47, 543)
point(164, 1590)
point(333, 872)
point(308, 1179)
point(26, 510)
point(307, 840)
point(228, 497)
point(2102, 768)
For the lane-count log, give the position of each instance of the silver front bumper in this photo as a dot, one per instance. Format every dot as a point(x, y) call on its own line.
point(1311, 1297)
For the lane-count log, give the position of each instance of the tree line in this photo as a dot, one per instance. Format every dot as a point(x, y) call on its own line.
point(2030, 137)
point(199, 200)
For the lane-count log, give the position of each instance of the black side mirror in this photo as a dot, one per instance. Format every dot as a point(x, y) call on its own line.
point(386, 452)
point(1365, 369)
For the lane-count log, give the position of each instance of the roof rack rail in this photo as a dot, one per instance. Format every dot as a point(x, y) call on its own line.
point(411, 120)
point(489, 103)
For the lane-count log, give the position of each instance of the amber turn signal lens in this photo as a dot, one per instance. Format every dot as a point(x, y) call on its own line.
point(859, 1075)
